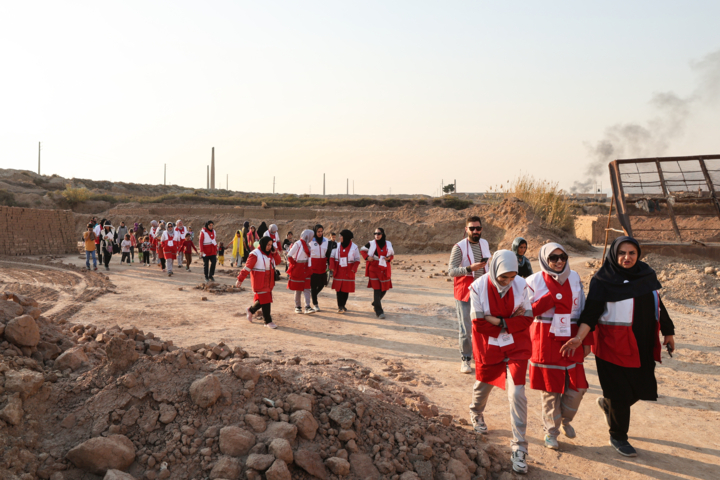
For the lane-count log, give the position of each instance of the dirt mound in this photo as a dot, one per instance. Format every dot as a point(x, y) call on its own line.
point(82, 400)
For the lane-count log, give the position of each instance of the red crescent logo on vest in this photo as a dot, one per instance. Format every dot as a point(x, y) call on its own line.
point(575, 301)
point(562, 320)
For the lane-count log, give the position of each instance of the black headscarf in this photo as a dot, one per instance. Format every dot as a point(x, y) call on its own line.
point(262, 229)
point(263, 244)
point(347, 237)
point(380, 243)
point(208, 223)
point(315, 230)
point(613, 283)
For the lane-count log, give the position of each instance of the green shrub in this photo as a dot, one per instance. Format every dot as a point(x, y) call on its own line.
point(7, 198)
point(75, 196)
point(456, 203)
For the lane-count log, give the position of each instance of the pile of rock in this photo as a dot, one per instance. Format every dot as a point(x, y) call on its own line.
point(217, 288)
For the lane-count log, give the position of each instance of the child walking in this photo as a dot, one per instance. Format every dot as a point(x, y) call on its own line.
point(125, 245)
point(133, 245)
point(188, 247)
point(221, 254)
point(145, 247)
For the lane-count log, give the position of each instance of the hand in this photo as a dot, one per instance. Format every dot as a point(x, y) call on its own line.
point(670, 341)
point(238, 283)
point(477, 266)
point(568, 350)
point(586, 350)
point(492, 320)
point(203, 254)
point(374, 258)
point(519, 312)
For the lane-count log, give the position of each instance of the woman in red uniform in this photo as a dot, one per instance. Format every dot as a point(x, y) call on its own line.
point(344, 262)
point(378, 253)
point(299, 271)
point(501, 346)
point(557, 298)
point(261, 268)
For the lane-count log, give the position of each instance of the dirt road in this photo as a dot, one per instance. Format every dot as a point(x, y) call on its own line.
point(677, 437)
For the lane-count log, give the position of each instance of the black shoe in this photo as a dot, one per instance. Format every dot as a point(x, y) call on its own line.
point(212, 279)
point(207, 279)
point(623, 447)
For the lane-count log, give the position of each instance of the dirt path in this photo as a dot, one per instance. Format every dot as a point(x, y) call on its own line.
point(677, 437)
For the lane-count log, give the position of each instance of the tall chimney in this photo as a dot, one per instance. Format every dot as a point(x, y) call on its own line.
point(212, 169)
point(208, 177)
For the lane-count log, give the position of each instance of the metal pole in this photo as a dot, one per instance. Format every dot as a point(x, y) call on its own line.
point(165, 175)
point(39, 158)
point(353, 187)
point(607, 228)
point(455, 186)
point(227, 181)
point(208, 177)
point(212, 169)
point(273, 184)
point(347, 186)
point(323, 184)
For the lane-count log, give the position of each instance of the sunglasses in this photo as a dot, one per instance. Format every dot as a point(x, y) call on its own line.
point(474, 229)
point(378, 233)
point(554, 258)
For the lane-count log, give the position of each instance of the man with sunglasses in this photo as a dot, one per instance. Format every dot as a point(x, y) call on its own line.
point(467, 262)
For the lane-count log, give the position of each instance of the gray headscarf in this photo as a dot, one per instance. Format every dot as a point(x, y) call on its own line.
point(503, 261)
point(515, 246)
point(307, 235)
point(545, 251)
point(154, 223)
point(273, 228)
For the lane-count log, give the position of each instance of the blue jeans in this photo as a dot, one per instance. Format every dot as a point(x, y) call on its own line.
point(464, 328)
point(87, 259)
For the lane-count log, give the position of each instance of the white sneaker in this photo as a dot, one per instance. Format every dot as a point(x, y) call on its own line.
point(568, 430)
point(518, 461)
point(551, 442)
point(298, 310)
point(309, 310)
point(249, 315)
point(465, 366)
point(316, 308)
point(478, 424)
point(271, 325)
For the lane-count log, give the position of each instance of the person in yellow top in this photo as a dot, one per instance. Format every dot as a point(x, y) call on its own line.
point(237, 249)
point(89, 239)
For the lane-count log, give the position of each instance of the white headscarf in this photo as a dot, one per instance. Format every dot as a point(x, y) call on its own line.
point(307, 235)
point(545, 251)
point(273, 228)
point(503, 261)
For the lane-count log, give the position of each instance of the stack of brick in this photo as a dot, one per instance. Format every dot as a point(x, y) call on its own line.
point(32, 231)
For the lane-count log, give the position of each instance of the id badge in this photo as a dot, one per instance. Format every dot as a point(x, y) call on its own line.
point(561, 325)
point(343, 261)
point(505, 339)
point(382, 262)
point(170, 243)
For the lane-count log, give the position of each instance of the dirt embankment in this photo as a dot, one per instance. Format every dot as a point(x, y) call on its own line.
point(411, 229)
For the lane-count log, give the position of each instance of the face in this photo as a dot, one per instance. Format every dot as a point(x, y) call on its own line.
point(320, 232)
point(506, 278)
point(252, 229)
point(122, 224)
point(290, 236)
point(179, 224)
point(341, 239)
point(268, 247)
point(473, 230)
point(522, 249)
point(378, 234)
point(211, 226)
point(627, 255)
point(332, 237)
point(557, 260)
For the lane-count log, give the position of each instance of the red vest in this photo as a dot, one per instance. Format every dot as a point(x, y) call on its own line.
point(462, 284)
point(614, 338)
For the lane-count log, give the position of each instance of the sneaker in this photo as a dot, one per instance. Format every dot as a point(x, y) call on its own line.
point(207, 279)
point(568, 430)
point(345, 310)
point(623, 447)
point(95, 269)
point(249, 315)
point(170, 274)
point(298, 310)
point(212, 279)
point(465, 366)
point(316, 308)
point(603, 406)
point(518, 461)
point(271, 325)
point(341, 310)
point(381, 316)
point(551, 442)
point(107, 268)
point(478, 424)
point(309, 310)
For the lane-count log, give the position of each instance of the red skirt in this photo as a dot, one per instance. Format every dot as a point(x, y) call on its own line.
point(496, 374)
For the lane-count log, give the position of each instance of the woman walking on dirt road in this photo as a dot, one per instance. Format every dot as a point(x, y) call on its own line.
point(319, 262)
point(625, 309)
point(378, 254)
point(344, 262)
point(208, 250)
point(557, 297)
point(299, 271)
point(261, 268)
point(501, 309)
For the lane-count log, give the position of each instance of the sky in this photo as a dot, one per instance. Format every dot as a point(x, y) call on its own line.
point(396, 96)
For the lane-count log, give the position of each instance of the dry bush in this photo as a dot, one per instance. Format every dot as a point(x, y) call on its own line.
point(545, 198)
point(75, 196)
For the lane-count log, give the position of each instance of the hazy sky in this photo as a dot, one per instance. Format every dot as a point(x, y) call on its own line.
point(393, 94)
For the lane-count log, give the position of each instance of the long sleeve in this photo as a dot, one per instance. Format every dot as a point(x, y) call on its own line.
point(667, 327)
point(478, 315)
point(591, 313)
point(454, 268)
point(251, 261)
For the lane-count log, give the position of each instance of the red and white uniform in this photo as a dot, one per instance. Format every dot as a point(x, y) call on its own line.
point(317, 253)
point(494, 347)
point(180, 233)
point(462, 284)
point(275, 237)
point(170, 246)
point(615, 341)
point(207, 243)
point(564, 303)
point(153, 240)
point(97, 231)
point(344, 263)
point(378, 271)
point(299, 270)
point(261, 268)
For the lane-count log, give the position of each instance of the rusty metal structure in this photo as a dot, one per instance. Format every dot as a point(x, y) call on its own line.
point(670, 200)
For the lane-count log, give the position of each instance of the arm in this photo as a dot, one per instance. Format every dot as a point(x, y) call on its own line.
point(364, 252)
point(478, 315)
point(251, 261)
point(667, 328)
point(454, 268)
point(543, 304)
point(586, 324)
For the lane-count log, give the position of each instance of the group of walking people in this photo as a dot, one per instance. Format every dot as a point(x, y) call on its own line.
point(514, 322)
point(310, 259)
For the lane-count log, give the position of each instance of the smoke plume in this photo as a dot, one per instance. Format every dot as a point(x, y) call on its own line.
point(631, 140)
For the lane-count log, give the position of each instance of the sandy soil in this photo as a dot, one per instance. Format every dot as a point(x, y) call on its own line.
point(676, 437)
